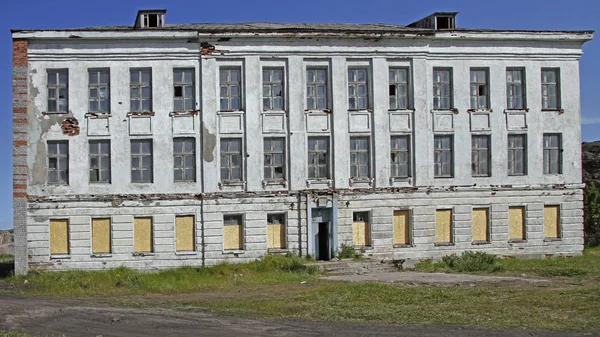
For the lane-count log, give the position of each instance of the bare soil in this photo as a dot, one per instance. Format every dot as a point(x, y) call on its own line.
point(88, 317)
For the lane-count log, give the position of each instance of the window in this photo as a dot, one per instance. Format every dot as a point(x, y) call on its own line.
point(58, 162)
point(479, 89)
point(400, 156)
point(231, 159)
point(184, 159)
point(359, 157)
point(442, 89)
point(276, 231)
point(361, 229)
point(274, 158)
point(517, 155)
point(516, 223)
point(232, 232)
point(552, 154)
point(231, 88)
point(273, 89)
point(318, 157)
point(101, 236)
point(480, 156)
point(358, 89)
point(550, 89)
point(515, 95)
point(552, 222)
point(443, 226)
point(142, 235)
point(398, 88)
point(140, 90)
point(58, 90)
point(59, 237)
point(183, 90)
point(141, 161)
point(185, 235)
point(99, 161)
point(401, 228)
point(99, 90)
point(443, 158)
point(480, 221)
point(316, 89)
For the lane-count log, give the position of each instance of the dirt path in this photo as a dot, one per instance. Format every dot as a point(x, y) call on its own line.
point(84, 318)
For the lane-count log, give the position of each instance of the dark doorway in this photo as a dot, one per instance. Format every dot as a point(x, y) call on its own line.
point(324, 242)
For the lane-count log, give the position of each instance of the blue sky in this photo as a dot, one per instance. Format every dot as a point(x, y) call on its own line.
point(508, 14)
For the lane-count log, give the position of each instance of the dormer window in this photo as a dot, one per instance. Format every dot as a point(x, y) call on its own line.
point(437, 20)
point(444, 22)
point(150, 18)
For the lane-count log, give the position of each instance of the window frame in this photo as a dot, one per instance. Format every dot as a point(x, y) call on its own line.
point(546, 154)
point(511, 149)
point(140, 85)
point(183, 84)
point(546, 85)
point(182, 155)
point(228, 83)
point(140, 156)
point(283, 216)
point(57, 157)
point(272, 84)
point(229, 153)
point(398, 151)
point(57, 88)
point(478, 170)
point(100, 156)
point(272, 153)
point(513, 84)
point(316, 151)
point(356, 83)
point(478, 83)
point(397, 84)
point(98, 85)
point(439, 152)
point(355, 160)
point(242, 238)
point(369, 230)
point(315, 85)
point(488, 224)
point(441, 84)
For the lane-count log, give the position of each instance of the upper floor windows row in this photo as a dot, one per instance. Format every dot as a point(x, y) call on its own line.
point(318, 89)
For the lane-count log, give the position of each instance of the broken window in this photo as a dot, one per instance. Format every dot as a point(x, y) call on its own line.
point(400, 156)
point(185, 235)
point(183, 90)
point(443, 157)
point(517, 155)
point(361, 229)
point(59, 237)
point(140, 90)
point(479, 89)
point(442, 88)
point(101, 236)
point(515, 93)
point(184, 159)
point(141, 161)
point(231, 89)
point(276, 231)
point(99, 90)
point(274, 165)
point(550, 89)
point(359, 157)
point(58, 90)
point(232, 232)
point(99, 152)
point(142, 235)
point(358, 89)
point(316, 89)
point(398, 88)
point(480, 156)
point(318, 157)
point(231, 159)
point(552, 154)
point(58, 162)
point(273, 89)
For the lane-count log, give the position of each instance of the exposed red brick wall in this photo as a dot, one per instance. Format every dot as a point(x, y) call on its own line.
point(20, 53)
point(20, 119)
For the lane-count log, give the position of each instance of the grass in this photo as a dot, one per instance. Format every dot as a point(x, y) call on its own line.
point(15, 334)
point(5, 258)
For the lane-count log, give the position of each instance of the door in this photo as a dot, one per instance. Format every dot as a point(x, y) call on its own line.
point(324, 242)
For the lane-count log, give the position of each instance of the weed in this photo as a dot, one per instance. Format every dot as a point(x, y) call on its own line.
point(346, 252)
point(472, 261)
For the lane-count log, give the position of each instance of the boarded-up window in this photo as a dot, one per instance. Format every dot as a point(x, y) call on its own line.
point(59, 236)
point(142, 235)
point(481, 218)
point(551, 221)
point(443, 226)
point(232, 232)
point(276, 231)
point(360, 229)
point(184, 233)
point(101, 236)
point(516, 223)
point(401, 228)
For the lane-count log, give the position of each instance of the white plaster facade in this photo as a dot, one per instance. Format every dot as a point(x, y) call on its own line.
point(305, 203)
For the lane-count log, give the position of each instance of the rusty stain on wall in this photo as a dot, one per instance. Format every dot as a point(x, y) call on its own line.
point(70, 126)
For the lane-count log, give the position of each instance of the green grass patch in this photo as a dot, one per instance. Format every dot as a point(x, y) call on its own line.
point(6, 258)
point(15, 334)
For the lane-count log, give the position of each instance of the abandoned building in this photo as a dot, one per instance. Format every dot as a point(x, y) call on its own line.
point(163, 145)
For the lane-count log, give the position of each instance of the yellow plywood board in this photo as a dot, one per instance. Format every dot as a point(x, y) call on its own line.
point(184, 232)
point(443, 226)
point(516, 223)
point(276, 236)
point(142, 235)
point(551, 220)
point(232, 237)
point(401, 235)
point(360, 232)
point(480, 224)
point(101, 236)
point(59, 236)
